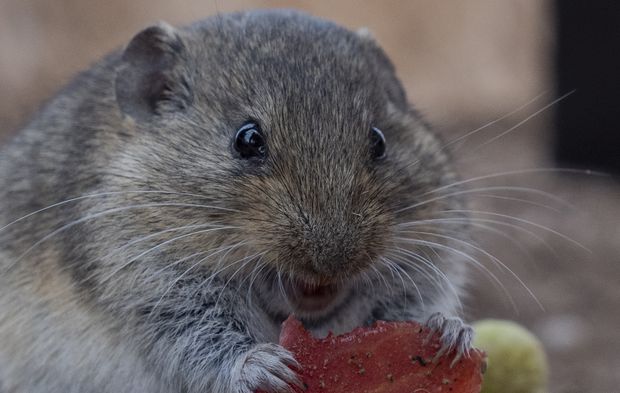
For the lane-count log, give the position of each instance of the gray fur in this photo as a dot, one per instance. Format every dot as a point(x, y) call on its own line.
point(166, 272)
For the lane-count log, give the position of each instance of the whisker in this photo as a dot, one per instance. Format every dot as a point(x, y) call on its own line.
point(221, 261)
point(378, 273)
point(475, 131)
point(247, 259)
point(504, 235)
point(447, 281)
point(514, 173)
point(79, 198)
point(158, 246)
point(210, 279)
point(176, 280)
point(519, 124)
point(415, 286)
point(495, 121)
point(521, 220)
point(152, 235)
point(367, 281)
point(427, 263)
point(490, 188)
point(179, 261)
point(468, 257)
point(281, 285)
point(372, 284)
point(141, 239)
point(520, 200)
point(253, 277)
point(100, 214)
point(390, 266)
point(492, 257)
point(475, 221)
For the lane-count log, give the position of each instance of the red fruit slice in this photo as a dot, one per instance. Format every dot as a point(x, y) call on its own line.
point(388, 357)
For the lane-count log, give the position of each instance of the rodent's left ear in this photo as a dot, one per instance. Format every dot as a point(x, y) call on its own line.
point(149, 80)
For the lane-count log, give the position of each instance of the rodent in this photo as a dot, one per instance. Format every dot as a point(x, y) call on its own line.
point(165, 211)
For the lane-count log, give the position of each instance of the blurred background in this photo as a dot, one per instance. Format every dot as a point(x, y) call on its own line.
point(465, 64)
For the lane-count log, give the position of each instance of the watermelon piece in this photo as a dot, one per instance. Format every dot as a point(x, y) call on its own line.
point(388, 357)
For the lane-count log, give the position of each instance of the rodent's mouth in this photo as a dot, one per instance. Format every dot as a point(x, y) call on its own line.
point(310, 297)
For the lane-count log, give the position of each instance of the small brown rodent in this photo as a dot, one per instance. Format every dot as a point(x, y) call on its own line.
point(166, 211)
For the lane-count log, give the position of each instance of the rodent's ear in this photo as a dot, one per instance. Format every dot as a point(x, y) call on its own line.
point(149, 80)
point(394, 89)
point(366, 34)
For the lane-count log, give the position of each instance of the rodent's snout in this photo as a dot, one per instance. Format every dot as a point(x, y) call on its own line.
point(322, 223)
point(333, 248)
point(330, 249)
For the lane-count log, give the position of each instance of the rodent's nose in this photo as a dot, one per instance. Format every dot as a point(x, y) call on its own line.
point(333, 250)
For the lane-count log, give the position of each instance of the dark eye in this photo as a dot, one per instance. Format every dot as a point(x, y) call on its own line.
point(377, 143)
point(249, 141)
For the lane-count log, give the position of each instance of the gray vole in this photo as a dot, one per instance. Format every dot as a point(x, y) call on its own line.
point(165, 212)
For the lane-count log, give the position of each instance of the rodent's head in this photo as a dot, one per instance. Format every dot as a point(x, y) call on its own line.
point(295, 129)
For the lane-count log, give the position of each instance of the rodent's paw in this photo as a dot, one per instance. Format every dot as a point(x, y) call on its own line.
point(266, 367)
point(455, 335)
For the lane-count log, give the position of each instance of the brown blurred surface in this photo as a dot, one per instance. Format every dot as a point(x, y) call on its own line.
point(456, 59)
point(463, 64)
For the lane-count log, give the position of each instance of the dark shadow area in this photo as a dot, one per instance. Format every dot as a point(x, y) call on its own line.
point(588, 61)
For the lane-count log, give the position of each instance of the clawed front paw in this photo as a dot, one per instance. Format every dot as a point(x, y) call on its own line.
point(267, 368)
point(455, 335)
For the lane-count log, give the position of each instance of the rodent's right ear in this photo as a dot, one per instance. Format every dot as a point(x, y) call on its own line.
point(149, 80)
point(365, 34)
